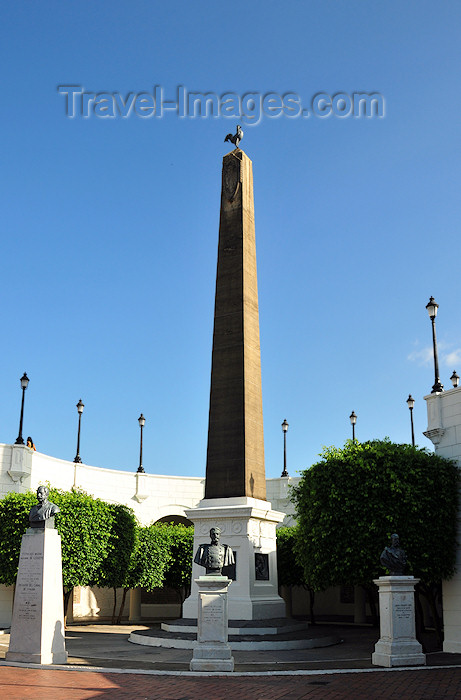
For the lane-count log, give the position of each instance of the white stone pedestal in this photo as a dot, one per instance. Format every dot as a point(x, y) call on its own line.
point(398, 645)
point(37, 628)
point(212, 651)
point(248, 527)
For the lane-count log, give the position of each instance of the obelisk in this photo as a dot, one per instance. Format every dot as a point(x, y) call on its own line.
point(235, 455)
point(235, 488)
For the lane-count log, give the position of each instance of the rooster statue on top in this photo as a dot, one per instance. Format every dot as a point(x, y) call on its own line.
point(236, 138)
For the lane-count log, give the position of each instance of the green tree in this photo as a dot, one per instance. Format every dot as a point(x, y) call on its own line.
point(162, 557)
point(178, 574)
point(290, 571)
point(85, 525)
point(148, 562)
point(350, 502)
point(14, 519)
point(121, 546)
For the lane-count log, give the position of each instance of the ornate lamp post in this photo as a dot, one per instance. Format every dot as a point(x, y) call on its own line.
point(285, 429)
point(411, 403)
point(141, 421)
point(454, 379)
point(24, 383)
point(353, 420)
point(80, 407)
point(432, 311)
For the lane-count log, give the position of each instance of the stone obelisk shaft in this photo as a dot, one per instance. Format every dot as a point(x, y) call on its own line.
point(235, 455)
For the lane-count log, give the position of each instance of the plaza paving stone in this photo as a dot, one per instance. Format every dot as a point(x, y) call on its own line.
point(124, 670)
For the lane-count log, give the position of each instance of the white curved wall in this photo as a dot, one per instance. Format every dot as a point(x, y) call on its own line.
point(152, 496)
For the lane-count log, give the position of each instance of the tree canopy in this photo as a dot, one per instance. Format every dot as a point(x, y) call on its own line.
point(290, 571)
point(350, 502)
point(14, 519)
point(101, 543)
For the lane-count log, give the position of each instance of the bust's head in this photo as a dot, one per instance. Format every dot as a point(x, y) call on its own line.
point(215, 534)
point(42, 494)
point(395, 540)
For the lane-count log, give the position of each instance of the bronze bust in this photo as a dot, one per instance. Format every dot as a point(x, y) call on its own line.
point(44, 510)
point(214, 556)
point(394, 558)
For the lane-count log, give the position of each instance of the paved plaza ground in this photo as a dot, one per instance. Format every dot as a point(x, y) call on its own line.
point(103, 664)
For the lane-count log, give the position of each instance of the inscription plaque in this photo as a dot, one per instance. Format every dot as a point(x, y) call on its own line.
point(211, 623)
point(404, 611)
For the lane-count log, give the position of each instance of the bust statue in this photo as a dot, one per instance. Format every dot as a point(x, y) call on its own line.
point(394, 557)
point(214, 556)
point(44, 509)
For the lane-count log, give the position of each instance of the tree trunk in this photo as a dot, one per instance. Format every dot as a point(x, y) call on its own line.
point(115, 605)
point(430, 593)
point(419, 614)
point(311, 605)
point(372, 604)
point(67, 592)
point(122, 605)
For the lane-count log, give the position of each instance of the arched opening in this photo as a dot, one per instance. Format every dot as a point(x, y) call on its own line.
point(175, 519)
point(165, 603)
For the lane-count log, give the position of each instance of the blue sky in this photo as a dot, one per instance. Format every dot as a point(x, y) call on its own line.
point(110, 226)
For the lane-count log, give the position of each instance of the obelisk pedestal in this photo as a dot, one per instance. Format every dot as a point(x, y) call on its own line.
point(37, 628)
point(212, 651)
point(397, 645)
point(248, 526)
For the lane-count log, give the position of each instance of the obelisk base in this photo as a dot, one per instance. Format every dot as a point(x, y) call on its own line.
point(248, 527)
point(37, 628)
point(212, 651)
point(398, 645)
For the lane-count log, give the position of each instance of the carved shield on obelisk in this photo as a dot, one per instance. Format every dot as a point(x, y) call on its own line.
point(231, 178)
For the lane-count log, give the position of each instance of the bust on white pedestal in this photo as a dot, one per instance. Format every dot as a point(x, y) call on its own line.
point(212, 651)
point(37, 628)
point(397, 645)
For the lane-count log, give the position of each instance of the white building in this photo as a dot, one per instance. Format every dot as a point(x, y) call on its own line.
point(444, 430)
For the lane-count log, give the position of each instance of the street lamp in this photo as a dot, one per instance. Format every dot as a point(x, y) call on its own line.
point(284, 428)
point(80, 406)
point(411, 403)
point(353, 420)
point(454, 379)
point(432, 311)
point(24, 383)
point(141, 421)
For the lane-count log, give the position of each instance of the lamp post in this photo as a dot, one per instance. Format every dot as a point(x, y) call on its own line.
point(432, 307)
point(141, 421)
point(454, 379)
point(285, 429)
point(411, 403)
point(24, 383)
point(353, 420)
point(80, 406)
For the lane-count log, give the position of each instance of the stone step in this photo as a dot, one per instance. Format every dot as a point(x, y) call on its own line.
point(300, 639)
point(272, 626)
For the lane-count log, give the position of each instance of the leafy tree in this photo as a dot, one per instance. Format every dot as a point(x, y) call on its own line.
point(350, 502)
point(148, 562)
point(178, 574)
point(85, 525)
point(162, 557)
point(289, 568)
point(121, 545)
point(14, 518)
